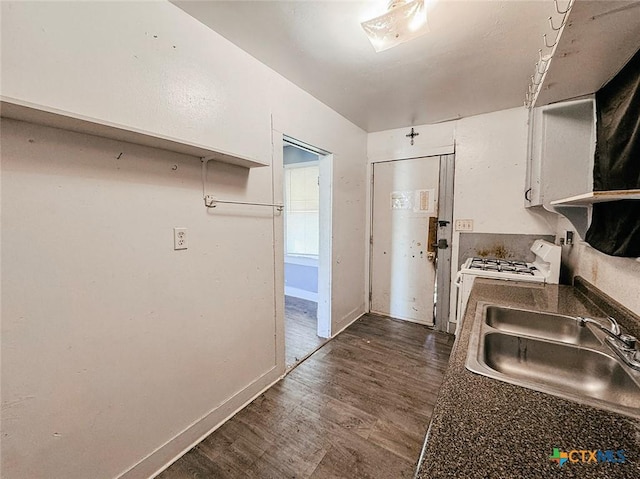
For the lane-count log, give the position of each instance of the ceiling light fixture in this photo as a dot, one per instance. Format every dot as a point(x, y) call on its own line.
point(404, 21)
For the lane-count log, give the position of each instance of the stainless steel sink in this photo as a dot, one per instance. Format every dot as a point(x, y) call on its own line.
point(553, 354)
point(555, 327)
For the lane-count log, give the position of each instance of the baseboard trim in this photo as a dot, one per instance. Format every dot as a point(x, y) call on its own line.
point(301, 293)
point(402, 318)
point(175, 448)
point(348, 321)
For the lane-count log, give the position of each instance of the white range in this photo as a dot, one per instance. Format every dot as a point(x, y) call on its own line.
point(544, 269)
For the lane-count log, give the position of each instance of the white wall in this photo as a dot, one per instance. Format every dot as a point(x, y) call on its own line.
point(431, 140)
point(617, 277)
point(115, 348)
point(490, 173)
point(112, 342)
point(144, 64)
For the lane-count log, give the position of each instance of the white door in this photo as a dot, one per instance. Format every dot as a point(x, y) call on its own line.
point(403, 274)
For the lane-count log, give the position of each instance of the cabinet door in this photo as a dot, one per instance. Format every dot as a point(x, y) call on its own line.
point(532, 195)
point(561, 149)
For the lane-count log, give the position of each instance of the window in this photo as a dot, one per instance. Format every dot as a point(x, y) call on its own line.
point(301, 200)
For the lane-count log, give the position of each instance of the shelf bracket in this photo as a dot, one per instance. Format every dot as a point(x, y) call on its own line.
point(578, 216)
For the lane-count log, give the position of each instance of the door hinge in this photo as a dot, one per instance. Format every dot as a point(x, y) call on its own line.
point(370, 239)
point(370, 296)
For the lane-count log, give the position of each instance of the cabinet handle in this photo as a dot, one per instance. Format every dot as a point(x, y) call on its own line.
point(526, 195)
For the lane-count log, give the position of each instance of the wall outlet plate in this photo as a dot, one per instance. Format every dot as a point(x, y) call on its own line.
point(568, 238)
point(179, 238)
point(464, 225)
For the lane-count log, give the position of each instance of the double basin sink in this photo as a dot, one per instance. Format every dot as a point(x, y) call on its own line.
point(554, 354)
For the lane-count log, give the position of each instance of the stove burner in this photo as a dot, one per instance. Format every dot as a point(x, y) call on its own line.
point(502, 266)
point(525, 271)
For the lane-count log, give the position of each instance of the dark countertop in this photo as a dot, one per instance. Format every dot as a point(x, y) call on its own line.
point(485, 428)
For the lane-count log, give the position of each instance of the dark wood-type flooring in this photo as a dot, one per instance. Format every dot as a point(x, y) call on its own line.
point(300, 329)
point(357, 408)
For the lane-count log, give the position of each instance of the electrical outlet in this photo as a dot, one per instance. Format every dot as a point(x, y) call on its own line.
point(179, 238)
point(568, 238)
point(464, 225)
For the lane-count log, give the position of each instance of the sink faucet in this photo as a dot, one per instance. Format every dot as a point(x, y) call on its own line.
point(623, 344)
point(613, 329)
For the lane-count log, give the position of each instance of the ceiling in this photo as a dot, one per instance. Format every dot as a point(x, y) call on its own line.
point(477, 56)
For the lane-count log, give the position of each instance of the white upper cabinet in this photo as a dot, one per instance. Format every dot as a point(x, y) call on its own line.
point(561, 151)
point(562, 143)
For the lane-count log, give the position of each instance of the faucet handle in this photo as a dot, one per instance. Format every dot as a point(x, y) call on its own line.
point(628, 340)
point(615, 327)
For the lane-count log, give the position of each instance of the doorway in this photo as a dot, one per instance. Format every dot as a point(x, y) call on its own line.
point(306, 249)
point(411, 209)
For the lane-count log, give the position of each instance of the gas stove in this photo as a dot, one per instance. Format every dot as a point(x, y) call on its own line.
point(544, 269)
point(518, 270)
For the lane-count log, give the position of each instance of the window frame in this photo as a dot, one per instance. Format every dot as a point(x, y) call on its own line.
point(290, 166)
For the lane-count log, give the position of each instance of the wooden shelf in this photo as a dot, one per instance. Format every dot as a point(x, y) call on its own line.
point(598, 197)
point(24, 111)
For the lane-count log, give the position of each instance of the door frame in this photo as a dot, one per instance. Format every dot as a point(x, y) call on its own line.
point(445, 232)
point(325, 163)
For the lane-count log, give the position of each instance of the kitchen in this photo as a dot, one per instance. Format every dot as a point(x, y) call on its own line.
point(72, 223)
